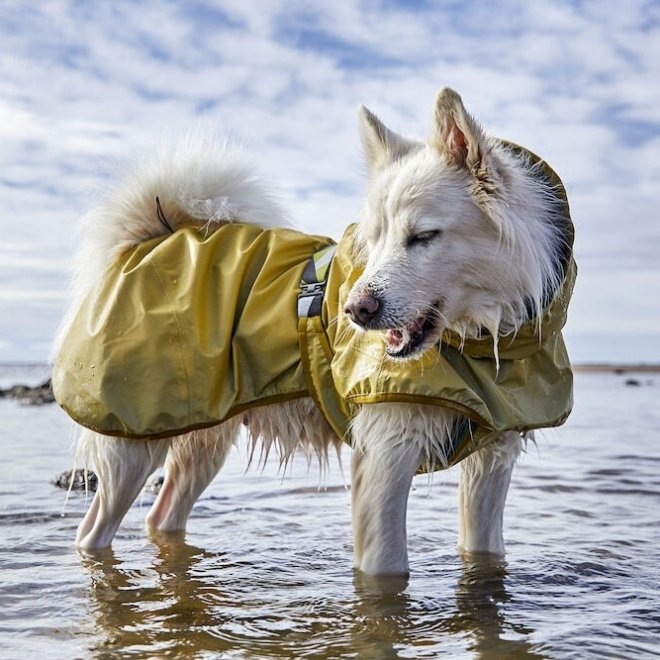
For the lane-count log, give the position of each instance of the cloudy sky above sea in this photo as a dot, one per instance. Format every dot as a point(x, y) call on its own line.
point(577, 82)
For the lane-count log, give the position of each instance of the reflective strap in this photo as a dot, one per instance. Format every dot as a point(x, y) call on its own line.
point(312, 285)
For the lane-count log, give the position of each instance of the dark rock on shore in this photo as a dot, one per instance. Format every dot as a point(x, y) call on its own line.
point(32, 396)
point(154, 484)
point(75, 479)
point(77, 476)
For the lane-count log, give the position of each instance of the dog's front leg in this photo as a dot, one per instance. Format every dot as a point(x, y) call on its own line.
point(383, 464)
point(484, 484)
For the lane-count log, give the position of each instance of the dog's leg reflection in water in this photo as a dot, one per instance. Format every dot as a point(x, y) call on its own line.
point(481, 599)
point(387, 614)
point(162, 603)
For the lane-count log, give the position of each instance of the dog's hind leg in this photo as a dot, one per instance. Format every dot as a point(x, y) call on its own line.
point(192, 462)
point(385, 458)
point(122, 467)
point(484, 484)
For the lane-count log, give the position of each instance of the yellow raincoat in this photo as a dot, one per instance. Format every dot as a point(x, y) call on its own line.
point(187, 330)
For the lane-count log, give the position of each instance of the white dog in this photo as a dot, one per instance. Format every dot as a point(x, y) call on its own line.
point(463, 269)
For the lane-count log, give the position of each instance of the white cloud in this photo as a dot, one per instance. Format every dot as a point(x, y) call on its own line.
point(29, 295)
point(576, 82)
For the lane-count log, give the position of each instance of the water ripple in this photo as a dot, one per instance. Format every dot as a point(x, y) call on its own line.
point(265, 569)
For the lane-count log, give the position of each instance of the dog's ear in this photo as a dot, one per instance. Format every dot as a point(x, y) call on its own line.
point(456, 134)
point(381, 145)
point(463, 142)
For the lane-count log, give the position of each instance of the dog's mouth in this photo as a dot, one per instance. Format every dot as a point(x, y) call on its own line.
point(412, 338)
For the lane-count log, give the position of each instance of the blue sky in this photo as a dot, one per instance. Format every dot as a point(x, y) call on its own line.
point(83, 83)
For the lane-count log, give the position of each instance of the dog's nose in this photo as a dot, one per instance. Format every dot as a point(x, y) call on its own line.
point(363, 309)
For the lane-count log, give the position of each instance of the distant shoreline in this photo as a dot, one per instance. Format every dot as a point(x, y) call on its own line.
point(600, 367)
point(604, 367)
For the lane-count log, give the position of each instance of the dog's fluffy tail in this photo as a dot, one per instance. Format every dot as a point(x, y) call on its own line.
point(200, 179)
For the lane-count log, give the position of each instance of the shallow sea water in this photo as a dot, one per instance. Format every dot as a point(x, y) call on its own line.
point(265, 569)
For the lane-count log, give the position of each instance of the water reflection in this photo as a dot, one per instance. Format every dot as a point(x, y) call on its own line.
point(583, 576)
point(387, 617)
point(482, 603)
point(382, 616)
point(162, 608)
point(188, 601)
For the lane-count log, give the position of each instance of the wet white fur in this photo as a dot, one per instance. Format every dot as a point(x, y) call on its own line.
point(499, 241)
point(498, 247)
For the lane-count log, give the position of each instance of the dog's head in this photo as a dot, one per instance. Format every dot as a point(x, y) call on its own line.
point(433, 237)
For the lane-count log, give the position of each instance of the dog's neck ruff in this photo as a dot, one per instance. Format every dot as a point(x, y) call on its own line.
point(186, 331)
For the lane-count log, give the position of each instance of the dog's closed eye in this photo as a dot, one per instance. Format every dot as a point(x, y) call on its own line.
point(424, 237)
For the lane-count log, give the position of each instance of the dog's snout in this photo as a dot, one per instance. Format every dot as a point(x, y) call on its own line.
point(362, 309)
